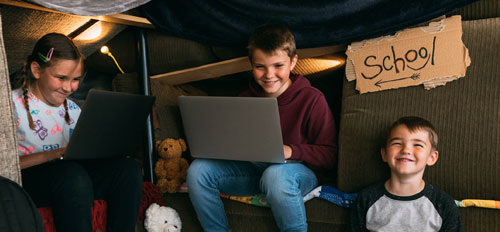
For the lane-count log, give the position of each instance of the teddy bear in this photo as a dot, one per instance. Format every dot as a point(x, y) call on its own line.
point(170, 169)
point(162, 219)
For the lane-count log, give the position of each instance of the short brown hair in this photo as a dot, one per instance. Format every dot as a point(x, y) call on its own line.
point(414, 123)
point(270, 38)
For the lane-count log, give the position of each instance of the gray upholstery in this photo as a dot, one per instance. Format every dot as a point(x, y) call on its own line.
point(9, 160)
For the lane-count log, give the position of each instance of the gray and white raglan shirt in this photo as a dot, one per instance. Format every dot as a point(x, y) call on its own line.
point(376, 209)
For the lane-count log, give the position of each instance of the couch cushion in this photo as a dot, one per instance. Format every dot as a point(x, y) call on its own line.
point(466, 114)
point(321, 215)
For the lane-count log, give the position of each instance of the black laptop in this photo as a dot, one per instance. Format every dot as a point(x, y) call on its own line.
point(110, 125)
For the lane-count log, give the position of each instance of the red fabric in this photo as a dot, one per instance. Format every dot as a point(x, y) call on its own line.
point(99, 215)
point(48, 220)
point(150, 194)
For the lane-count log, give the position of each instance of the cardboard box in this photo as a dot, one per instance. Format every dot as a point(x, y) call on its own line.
point(432, 55)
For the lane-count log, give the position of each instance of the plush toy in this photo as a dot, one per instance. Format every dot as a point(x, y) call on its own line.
point(162, 219)
point(170, 168)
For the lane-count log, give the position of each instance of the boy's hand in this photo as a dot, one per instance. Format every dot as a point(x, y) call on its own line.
point(288, 151)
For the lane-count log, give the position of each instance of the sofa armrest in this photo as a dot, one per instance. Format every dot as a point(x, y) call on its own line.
point(9, 161)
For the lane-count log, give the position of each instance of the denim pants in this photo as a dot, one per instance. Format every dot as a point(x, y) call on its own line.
point(70, 188)
point(283, 184)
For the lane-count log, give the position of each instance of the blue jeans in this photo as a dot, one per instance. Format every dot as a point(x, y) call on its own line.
point(283, 184)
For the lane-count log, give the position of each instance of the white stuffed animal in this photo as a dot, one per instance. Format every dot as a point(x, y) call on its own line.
point(162, 219)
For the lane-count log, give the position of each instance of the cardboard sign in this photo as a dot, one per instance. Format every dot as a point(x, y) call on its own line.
point(432, 55)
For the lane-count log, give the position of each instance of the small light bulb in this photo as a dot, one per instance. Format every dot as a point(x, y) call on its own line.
point(104, 50)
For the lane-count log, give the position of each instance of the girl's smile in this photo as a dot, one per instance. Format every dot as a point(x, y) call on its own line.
point(57, 81)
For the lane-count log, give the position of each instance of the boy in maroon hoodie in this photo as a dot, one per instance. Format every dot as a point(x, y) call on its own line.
point(308, 131)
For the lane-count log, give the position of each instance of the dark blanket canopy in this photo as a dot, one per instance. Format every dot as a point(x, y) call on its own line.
point(314, 23)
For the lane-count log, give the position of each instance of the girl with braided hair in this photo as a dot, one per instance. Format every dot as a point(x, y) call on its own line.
point(45, 120)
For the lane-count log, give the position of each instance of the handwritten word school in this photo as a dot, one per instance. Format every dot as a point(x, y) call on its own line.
point(398, 64)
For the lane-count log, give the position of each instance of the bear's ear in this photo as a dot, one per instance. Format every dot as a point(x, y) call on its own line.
point(183, 144)
point(157, 145)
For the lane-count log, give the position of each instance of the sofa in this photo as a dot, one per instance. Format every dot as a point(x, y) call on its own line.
point(465, 112)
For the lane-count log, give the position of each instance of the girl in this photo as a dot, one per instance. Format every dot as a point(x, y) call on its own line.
point(45, 121)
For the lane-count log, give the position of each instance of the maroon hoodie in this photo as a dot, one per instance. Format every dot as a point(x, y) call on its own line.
point(307, 124)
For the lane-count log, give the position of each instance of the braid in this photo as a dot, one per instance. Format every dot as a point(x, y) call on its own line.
point(24, 88)
point(27, 106)
point(66, 115)
point(50, 47)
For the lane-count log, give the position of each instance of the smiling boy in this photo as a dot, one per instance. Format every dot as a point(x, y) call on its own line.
point(308, 132)
point(406, 202)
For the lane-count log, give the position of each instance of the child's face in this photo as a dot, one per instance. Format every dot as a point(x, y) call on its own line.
point(408, 153)
point(57, 81)
point(272, 72)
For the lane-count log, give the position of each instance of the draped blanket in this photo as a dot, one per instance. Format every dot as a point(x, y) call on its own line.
point(314, 23)
point(90, 7)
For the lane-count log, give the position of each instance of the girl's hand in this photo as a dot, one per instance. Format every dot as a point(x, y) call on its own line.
point(288, 151)
point(27, 161)
point(56, 154)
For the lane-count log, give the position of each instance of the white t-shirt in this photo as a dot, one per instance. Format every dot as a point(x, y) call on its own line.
point(51, 129)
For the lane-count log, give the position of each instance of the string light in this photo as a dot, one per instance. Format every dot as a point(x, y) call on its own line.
point(105, 50)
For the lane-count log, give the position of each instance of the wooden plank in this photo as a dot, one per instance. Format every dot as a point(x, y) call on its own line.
point(204, 72)
point(124, 19)
point(232, 66)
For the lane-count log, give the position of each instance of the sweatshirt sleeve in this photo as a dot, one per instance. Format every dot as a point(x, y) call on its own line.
point(321, 147)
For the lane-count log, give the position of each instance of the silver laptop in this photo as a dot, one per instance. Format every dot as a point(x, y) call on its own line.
point(111, 124)
point(232, 128)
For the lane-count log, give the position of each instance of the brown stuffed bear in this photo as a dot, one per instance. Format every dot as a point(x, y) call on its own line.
point(170, 168)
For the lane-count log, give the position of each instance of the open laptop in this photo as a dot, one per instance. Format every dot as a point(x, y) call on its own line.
point(110, 125)
point(233, 128)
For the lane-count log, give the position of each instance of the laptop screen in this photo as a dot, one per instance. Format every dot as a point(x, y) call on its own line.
point(110, 125)
point(232, 128)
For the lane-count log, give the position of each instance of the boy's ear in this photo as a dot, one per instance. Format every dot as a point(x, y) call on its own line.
point(433, 158)
point(35, 69)
point(294, 62)
point(382, 153)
